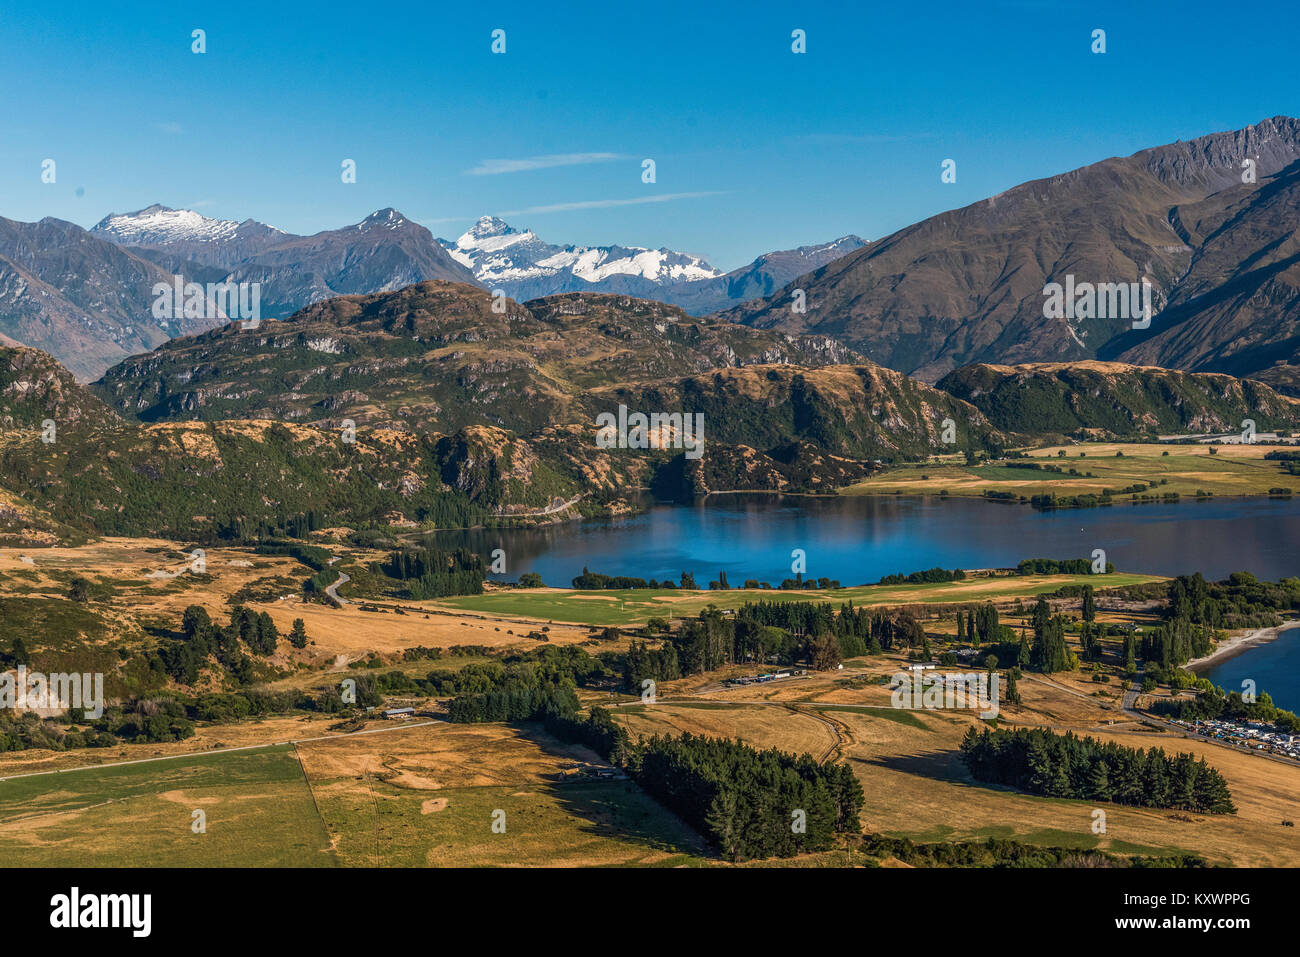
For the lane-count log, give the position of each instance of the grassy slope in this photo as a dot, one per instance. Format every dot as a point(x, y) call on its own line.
point(1233, 470)
point(622, 607)
point(259, 813)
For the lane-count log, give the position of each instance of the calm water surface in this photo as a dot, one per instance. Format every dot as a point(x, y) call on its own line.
point(859, 539)
point(1274, 667)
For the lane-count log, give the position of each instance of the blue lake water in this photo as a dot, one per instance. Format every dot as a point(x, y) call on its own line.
point(1274, 667)
point(860, 539)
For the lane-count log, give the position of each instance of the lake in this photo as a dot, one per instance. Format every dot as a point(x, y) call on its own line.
point(1274, 667)
point(860, 539)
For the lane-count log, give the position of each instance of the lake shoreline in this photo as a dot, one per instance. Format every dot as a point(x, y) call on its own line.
point(1233, 647)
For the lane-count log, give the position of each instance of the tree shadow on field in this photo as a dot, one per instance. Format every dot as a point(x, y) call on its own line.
point(940, 765)
point(615, 808)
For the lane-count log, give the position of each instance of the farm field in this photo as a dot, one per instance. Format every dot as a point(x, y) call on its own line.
point(417, 797)
point(634, 606)
point(1231, 470)
point(259, 813)
point(917, 787)
point(141, 583)
point(427, 795)
point(427, 798)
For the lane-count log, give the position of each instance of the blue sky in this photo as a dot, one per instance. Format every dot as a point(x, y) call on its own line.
point(756, 148)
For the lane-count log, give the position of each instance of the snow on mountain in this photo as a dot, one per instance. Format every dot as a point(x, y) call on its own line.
point(158, 225)
point(387, 218)
point(524, 264)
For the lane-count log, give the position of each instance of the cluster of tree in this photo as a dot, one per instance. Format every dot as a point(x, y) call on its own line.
point(243, 529)
point(1091, 648)
point(798, 583)
point(18, 732)
point(1240, 601)
point(313, 556)
point(856, 631)
point(998, 852)
point(1049, 652)
point(521, 688)
point(1055, 765)
point(980, 625)
point(138, 721)
point(1290, 461)
point(749, 803)
point(706, 642)
point(513, 702)
point(429, 573)
point(204, 640)
point(595, 580)
point(1064, 566)
point(790, 584)
point(597, 731)
point(656, 664)
point(1174, 643)
point(149, 720)
point(925, 577)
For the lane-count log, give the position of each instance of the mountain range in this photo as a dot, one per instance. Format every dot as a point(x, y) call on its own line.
point(1209, 223)
point(436, 356)
point(526, 267)
point(462, 412)
point(86, 296)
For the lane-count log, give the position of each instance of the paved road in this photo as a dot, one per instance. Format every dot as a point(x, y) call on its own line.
point(332, 590)
point(549, 510)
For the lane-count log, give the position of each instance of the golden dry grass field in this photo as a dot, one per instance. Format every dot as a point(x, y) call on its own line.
point(413, 796)
point(148, 581)
point(1186, 469)
point(426, 795)
point(917, 787)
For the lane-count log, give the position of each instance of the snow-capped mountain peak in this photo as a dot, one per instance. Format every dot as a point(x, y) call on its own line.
point(487, 227)
point(387, 218)
point(523, 263)
point(159, 225)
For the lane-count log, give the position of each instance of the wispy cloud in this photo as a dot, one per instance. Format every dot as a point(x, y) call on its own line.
point(173, 128)
point(604, 203)
point(565, 207)
point(495, 167)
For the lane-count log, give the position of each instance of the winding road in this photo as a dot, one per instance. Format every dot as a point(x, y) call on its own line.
point(332, 590)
